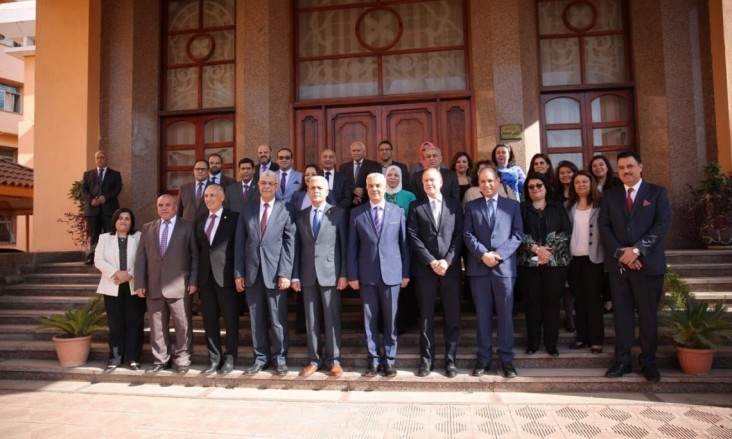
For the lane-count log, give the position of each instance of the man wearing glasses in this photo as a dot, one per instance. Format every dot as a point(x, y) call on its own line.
point(288, 178)
point(386, 150)
point(190, 195)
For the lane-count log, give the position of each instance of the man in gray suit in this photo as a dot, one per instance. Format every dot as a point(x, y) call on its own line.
point(263, 257)
point(237, 195)
point(166, 274)
point(320, 273)
point(190, 195)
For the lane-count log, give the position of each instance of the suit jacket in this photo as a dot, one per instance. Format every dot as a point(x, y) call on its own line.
point(597, 250)
point(297, 200)
point(450, 185)
point(294, 179)
point(170, 275)
point(367, 167)
point(644, 227)
point(224, 181)
point(106, 259)
point(504, 239)
point(272, 252)
point(187, 201)
point(434, 241)
point(342, 193)
point(371, 257)
point(323, 259)
point(111, 187)
point(234, 195)
point(257, 167)
point(216, 258)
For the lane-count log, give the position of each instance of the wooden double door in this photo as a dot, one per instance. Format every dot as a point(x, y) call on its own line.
point(446, 123)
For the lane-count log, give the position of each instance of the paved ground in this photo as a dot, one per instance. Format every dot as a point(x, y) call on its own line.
point(69, 409)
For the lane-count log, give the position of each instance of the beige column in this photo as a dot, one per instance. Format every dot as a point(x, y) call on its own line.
point(720, 23)
point(67, 111)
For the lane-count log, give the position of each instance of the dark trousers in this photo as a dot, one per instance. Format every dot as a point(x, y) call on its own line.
point(126, 320)
point(322, 307)
point(634, 292)
point(427, 286)
point(264, 303)
point(218, 302)
point(380, 300)
point(585, 281)
point(543, 287)
point(491, 292)
point(96, 225)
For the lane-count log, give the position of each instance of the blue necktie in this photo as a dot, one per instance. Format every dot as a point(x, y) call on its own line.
point(316, 222)
point(491, 213)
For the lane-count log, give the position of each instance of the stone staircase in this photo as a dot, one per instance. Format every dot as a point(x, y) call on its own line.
point(27, 352)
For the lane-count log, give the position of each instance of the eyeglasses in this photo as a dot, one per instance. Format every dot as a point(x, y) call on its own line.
point(284, 157)
point(536, 186)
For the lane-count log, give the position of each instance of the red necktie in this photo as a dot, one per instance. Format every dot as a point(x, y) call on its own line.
point(263, 221)
point(629, 200)
point(210, 227)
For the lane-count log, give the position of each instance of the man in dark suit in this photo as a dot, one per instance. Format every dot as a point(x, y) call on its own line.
point(237, 195)
point(435, 230)
point(634, 219)
point(450, 186)
point(493, 233)
point(264, 159)
point(264, 253)
point(215, 174)
point(100, 188)
point(378, 265)
point(190, 195)
point(340, 192)
point(166, 274)
point(386, 150)
point(215, 234)
point(356, 171)
point(320, 273)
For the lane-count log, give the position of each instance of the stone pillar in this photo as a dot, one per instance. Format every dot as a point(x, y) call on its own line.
point(720, 14)
point(67, 111)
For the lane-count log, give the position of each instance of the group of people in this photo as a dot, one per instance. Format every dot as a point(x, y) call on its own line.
point(376, 226)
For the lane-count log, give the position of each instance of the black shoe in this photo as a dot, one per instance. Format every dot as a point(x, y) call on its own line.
point(89, 259)
point(111, 366)
point(159, 367)
point(596, 349)
point(211, 367)
point(650, 371)
point(451, 371)
point(228, 366)
point(134, 365)
point(281, 370)
point(532, 349)
point(481, 369)
point(255, 369)
point(618, 369)
point(578, 345)
point(553, 351)
point(509, 371)
point(424, 370)
point(182, 369)
point(372, 371)
point(390, 371)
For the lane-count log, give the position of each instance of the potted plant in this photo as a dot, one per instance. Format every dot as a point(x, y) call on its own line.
point(76, 325)
point(710, 208)
point(696, 326)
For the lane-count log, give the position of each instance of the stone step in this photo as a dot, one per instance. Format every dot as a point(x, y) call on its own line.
point(80, 290)
point(709, 284)
point(569, 380)
point(692, 270)
point(66, 267)
point(680, 257)
point(63, 278)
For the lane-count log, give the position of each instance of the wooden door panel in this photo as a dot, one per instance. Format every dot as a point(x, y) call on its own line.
point(309, 136)
point(407, 126)
point(347, 125)
point(455, 129)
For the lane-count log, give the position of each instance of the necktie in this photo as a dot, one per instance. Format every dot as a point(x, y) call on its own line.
point(436, 211)
point(491, 213)
point(246, 190)
point(264, 168)
point(209, 229)
point(629, 200)
point(199, 193)
point(100, 177)
point(263, 221)
point(356, 170)
point(164, 239)
point(316, 222)
point(377, 221)
point(213, 180)
point(283, 182)
point(327, 177)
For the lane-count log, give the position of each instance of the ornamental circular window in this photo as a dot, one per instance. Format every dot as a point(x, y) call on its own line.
point(580, 16)
point(379, 28)
point(200, 47)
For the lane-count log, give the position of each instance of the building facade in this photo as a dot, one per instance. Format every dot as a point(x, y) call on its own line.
point(160, 84)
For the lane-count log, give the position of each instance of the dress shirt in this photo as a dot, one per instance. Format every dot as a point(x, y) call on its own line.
point(217, 221)
point(171, 226)
point(439, 208)
point(248, 184)
point(218, 176)
point(269, 209)
point(635, 189)
point(330, 177)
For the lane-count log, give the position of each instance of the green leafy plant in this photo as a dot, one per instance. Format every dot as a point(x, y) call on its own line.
point(710, 208)
point(694, 324)
point(78, 322)
point(76, 221)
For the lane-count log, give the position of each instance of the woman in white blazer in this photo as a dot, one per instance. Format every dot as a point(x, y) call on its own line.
point(586, 267)
point(115, 258)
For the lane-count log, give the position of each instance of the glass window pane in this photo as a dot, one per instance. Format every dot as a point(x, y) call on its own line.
point(329, 32)
point(421, 72)
point(218, 130)
point(609, 108)
point(338, 78)
point(550, 18)
point(563, 138)
point(560, 63)
point(224, 45)
point(610, 136)
point(314, 3)
point(177, 49)
point(218, 13)
point(574, 157)
point(181, 157)
point(579, 16)
point(612, 156)
point(218, 86)
point(609, 15)
point(182, 15)
point(227, 154)
point(604, 59)
point(176, 179)
point(180, 133)
point(182, 87)
point(431, 24)
point(562, 110)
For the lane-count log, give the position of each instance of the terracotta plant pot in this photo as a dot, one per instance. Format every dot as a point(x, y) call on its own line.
point(695, 361)
point(72, 352)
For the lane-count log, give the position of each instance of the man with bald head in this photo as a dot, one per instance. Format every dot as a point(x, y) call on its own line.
point(357, 169)
point(264, 160)
point(340, 191)
point(450, 184)
point(100, 188)
point(166, 275)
